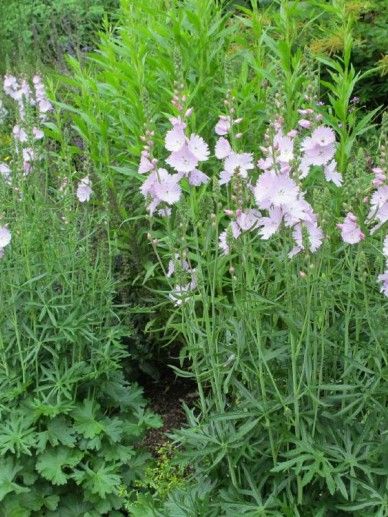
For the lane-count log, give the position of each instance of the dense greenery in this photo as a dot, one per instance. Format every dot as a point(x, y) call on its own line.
point(209, 195)
point(34, 31)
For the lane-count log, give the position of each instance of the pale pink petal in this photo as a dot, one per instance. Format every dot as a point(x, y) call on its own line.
point(222, 149)
point(197, 178)
point(175, 139)
point(198, 147)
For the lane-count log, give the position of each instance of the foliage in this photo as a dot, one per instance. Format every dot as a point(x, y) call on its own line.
point(288, 355)
point(288, 350)
point(69, 421)
point(43, 30)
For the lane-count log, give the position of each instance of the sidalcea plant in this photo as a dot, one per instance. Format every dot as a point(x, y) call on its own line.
point(272, 273)
point(69, 420)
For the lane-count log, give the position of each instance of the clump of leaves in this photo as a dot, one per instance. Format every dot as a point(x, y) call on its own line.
point(87, 453)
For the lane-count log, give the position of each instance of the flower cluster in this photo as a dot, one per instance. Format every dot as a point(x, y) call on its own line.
point(186, 152)
point(275, 191)
point(378, 214)
point(264, 202)
point(26, 97)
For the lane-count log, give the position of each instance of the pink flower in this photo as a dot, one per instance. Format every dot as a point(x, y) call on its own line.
point(19, 134)
point(84, 190)
point(304, 167)
point(236, 230)
point(304, 123)
point(147, 187)
point(146, 165)
point(171, 265)
point(319, 148)
point(183, 160)
point(10, 85)
point(331, 173)
point(284, 191)
point(247, 220)
point(315, 154)
point(236, 163)
point(197, 178)
point(380, 176)
point(28, 154)
point(5, 236)
point(5, 172)
point(180, 292)
point(175, 139)
point(323, 136)
point(293, 133)
point(271, 224)
point(166, 187)
point(350, 231)
point(385, 247)
point(222, 149)
point(177, 122)
point(223, 243)
point(38, 133)
point(223, 125)
point(275, 190)
point(285, 147)
point(383, 279)
point(198, 147)
point(45, 106)
point(379, 207)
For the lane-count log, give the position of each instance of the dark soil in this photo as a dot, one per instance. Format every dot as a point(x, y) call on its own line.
point(165, 397)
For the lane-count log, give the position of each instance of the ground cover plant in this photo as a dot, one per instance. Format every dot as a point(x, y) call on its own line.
point(204, 194)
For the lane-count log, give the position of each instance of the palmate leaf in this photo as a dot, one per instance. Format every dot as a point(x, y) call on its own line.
point(85, 421)
point(59, 431)
point(101, 480)
point(50, 464)
point(113, 428)
point(8, 473)
point(18, 434)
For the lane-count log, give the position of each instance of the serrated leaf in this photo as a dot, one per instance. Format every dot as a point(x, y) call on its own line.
point(85, 421)
point(8, 472)
point(101, 480)
point(51, 463)
point(113, 428)
point(17, 435)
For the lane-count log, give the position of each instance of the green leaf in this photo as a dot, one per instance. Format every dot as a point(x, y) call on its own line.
point(101, 480)
point(8, 472)
point(85, 421)
point(51, 463)
point(59, 431)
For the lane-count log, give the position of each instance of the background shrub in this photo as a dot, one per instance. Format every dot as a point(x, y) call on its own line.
point(34, 31)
